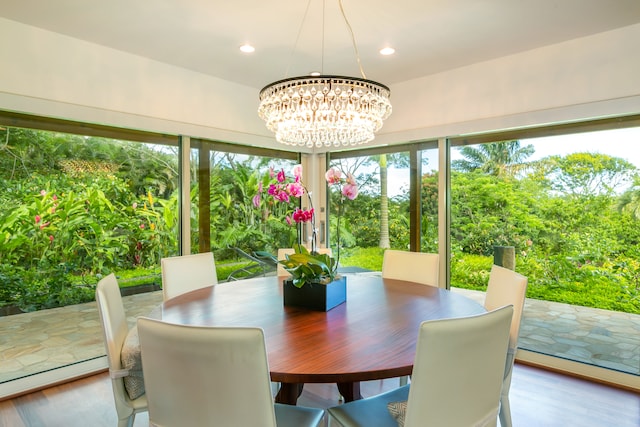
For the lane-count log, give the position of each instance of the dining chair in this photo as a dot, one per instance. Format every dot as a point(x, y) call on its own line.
point(198, 376)
point(283, 252)
point(507, 287)
point(181, 274)
point(418, 267)
point(457, 377)
point(115, 329)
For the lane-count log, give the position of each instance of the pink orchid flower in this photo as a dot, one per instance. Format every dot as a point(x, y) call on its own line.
point(300, 215)
point(282, 196)
point(295, 189)
point(350, 191)
point(333, 176)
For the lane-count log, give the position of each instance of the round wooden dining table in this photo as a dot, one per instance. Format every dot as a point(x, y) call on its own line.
point(371, 336)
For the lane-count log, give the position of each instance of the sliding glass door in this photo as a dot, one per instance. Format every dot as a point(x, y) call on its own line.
point(77, 207)
point(567, 208)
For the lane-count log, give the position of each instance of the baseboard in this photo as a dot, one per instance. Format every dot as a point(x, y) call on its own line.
point(41, 380)
point(598, 374)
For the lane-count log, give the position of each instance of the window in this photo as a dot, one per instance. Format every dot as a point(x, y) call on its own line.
point(76, 207)
point(566, 205)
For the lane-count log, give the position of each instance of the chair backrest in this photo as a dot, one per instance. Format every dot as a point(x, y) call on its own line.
point(507, 287)
point(186, 273)
point(457, 373)
point(283, 252)
point(114, 329)
point(416, 267)
point(195, 375)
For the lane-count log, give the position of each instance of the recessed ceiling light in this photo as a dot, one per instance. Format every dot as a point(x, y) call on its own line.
point(247, 48)
point(387, 51)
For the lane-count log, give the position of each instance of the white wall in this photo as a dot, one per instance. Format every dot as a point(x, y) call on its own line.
point(585, 78)
point(49, 74)
point(54, 75)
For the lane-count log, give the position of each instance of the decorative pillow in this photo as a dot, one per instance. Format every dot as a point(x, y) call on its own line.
point(398, 411)
point(131, 360)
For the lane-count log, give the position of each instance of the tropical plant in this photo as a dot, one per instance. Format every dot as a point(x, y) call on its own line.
point(589, 174)
point(503, 158)
point(304, 265)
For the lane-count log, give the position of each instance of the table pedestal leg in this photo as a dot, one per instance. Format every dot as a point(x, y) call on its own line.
point(350, 391)
point(289, 393)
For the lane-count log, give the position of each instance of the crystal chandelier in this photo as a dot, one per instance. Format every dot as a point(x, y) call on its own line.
point(325, 110)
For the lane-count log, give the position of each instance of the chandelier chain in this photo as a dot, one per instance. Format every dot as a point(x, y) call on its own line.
point(328, 111)
point(295, 44)
point(353, 39)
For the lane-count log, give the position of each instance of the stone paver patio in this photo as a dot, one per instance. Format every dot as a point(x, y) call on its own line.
point(49, 339)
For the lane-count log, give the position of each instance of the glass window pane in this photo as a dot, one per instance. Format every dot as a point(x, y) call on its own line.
point(379, 217)
point(76, 208)
point(429, 201)
point(239, 226)
point(567, 207)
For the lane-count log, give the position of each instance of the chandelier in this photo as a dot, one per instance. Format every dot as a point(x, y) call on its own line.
point(325, 110)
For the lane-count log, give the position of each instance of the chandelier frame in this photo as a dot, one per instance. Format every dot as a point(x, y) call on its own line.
point(325, 110)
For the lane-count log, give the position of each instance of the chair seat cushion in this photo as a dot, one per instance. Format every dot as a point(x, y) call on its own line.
point(398, 411)
point(297, 416)
point(131, 361)
point(372, 411)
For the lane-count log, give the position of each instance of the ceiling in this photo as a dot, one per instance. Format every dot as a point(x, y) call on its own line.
point(429, 36)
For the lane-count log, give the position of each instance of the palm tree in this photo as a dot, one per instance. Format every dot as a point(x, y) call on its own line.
point(503, 158)
point(384, 204)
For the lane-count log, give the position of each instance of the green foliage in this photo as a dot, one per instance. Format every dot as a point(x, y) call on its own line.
point(559, 279)
point(306, 267)
point(501, 159)
point(589, 173)
point(76, 208)
point(360, 224)
point(226, 267)
point(470, 271)
point(489, 211)
point(369, 258)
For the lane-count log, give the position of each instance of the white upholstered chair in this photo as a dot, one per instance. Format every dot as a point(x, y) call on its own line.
point(418, 267)
point(115, 329)
point(202, 376)
point(283, 252)
point(457, 377)
point(507, 287)
point(186, 273)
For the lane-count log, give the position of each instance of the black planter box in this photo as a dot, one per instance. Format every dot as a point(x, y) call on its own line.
point(315, 296)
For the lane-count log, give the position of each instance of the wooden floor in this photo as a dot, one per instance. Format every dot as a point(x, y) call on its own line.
point(538, 398)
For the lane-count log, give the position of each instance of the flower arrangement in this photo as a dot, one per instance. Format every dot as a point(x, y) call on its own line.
point(304, 265)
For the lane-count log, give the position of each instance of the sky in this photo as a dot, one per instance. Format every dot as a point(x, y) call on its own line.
point(623, 143)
